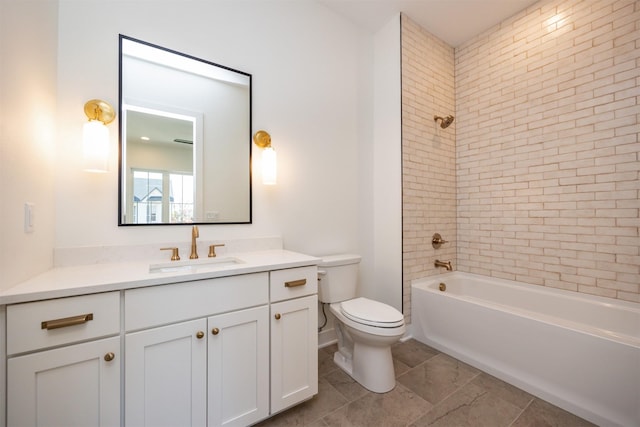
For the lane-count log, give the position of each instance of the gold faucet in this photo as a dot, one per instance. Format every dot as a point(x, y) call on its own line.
point(446, 265)
point(194, 248)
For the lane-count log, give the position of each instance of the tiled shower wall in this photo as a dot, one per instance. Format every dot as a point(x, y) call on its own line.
point(547, 148)
point(544, 145)
point(428, 154)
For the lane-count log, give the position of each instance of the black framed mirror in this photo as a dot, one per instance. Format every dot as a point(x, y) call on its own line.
point(185, 139)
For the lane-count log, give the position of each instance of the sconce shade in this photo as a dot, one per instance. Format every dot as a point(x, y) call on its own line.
point(269, 166)
point(95, 136)
point(95, 146)
point(269, 161)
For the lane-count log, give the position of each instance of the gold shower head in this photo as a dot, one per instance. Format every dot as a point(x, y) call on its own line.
point(446, 121)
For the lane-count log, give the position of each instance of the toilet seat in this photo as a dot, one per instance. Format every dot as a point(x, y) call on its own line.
point(371, 313)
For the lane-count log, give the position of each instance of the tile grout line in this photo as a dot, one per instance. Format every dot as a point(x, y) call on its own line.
point(522, 411)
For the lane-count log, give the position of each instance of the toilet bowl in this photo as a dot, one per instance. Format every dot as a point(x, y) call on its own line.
point(366, 329)
point(364, 345)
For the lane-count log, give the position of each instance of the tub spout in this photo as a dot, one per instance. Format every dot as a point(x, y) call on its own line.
point(446, 265)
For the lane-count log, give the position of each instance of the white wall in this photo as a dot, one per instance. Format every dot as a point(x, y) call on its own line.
point(380, 172)
point(28, 34)
point(382, 272)
point(306, 64)
point(313, 84)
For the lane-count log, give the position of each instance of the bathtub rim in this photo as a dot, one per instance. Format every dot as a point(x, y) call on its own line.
point(615, 336)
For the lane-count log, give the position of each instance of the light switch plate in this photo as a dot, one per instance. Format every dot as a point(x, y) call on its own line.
point(28, 217)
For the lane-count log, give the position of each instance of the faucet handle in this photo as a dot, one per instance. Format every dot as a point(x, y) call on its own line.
point(437, 240)
point(175, 256)
point(212, 250)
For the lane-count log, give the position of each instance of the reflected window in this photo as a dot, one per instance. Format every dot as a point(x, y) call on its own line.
point(162, 197)
point(181, 203)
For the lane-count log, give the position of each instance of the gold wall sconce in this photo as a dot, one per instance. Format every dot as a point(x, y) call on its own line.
point(95, 135)
point(269, 159)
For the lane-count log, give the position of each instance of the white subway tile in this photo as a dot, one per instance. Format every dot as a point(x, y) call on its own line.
point(546, 148)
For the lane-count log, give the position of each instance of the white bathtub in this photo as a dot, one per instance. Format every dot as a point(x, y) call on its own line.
point(577, 351)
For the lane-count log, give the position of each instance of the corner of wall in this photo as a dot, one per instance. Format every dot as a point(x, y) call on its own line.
point(385, 270)
point(428, 155)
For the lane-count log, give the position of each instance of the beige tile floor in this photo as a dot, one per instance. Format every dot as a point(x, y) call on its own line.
point(433, 389)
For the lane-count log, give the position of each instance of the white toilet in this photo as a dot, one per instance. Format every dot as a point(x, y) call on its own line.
point(366, 329)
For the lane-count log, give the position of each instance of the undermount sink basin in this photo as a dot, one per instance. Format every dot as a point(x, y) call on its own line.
point(193, 265)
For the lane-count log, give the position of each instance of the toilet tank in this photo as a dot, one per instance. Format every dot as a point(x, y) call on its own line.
point(338, 278)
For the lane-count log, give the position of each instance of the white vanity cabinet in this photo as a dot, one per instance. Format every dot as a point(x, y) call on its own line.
point(61, 371)
point(211, 370)
point(119, 346)
point(294, 336)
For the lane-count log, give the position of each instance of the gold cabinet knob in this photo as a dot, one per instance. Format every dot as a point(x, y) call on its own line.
point(277, 316)
point(109, 357)
point(200, 335)
point(215, 331)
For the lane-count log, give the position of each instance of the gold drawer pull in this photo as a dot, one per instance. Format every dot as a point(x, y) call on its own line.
point(294, 283)
point(109, 356)
point(67, 321)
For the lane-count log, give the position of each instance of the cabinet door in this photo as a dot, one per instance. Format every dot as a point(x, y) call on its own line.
point(78, 385)
point(239, 367)
point(294, 351)
point(166, 376)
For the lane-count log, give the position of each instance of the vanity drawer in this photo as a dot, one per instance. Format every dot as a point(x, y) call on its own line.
point(165, 304)
point(42, 324)
point(293, 283)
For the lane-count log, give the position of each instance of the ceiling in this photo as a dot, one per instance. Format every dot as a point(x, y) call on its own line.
point(158, 130)
point(453, 21)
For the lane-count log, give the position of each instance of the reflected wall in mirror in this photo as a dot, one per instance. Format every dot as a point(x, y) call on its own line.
point(185, 139)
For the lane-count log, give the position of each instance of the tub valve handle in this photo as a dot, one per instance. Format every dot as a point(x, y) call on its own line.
point(437, 240)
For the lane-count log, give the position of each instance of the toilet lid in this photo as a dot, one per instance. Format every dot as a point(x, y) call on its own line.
point(374, 313)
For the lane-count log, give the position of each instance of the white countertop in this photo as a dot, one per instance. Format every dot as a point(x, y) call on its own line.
point(93, 278)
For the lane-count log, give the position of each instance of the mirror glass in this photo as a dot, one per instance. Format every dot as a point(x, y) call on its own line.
point(185, 139)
